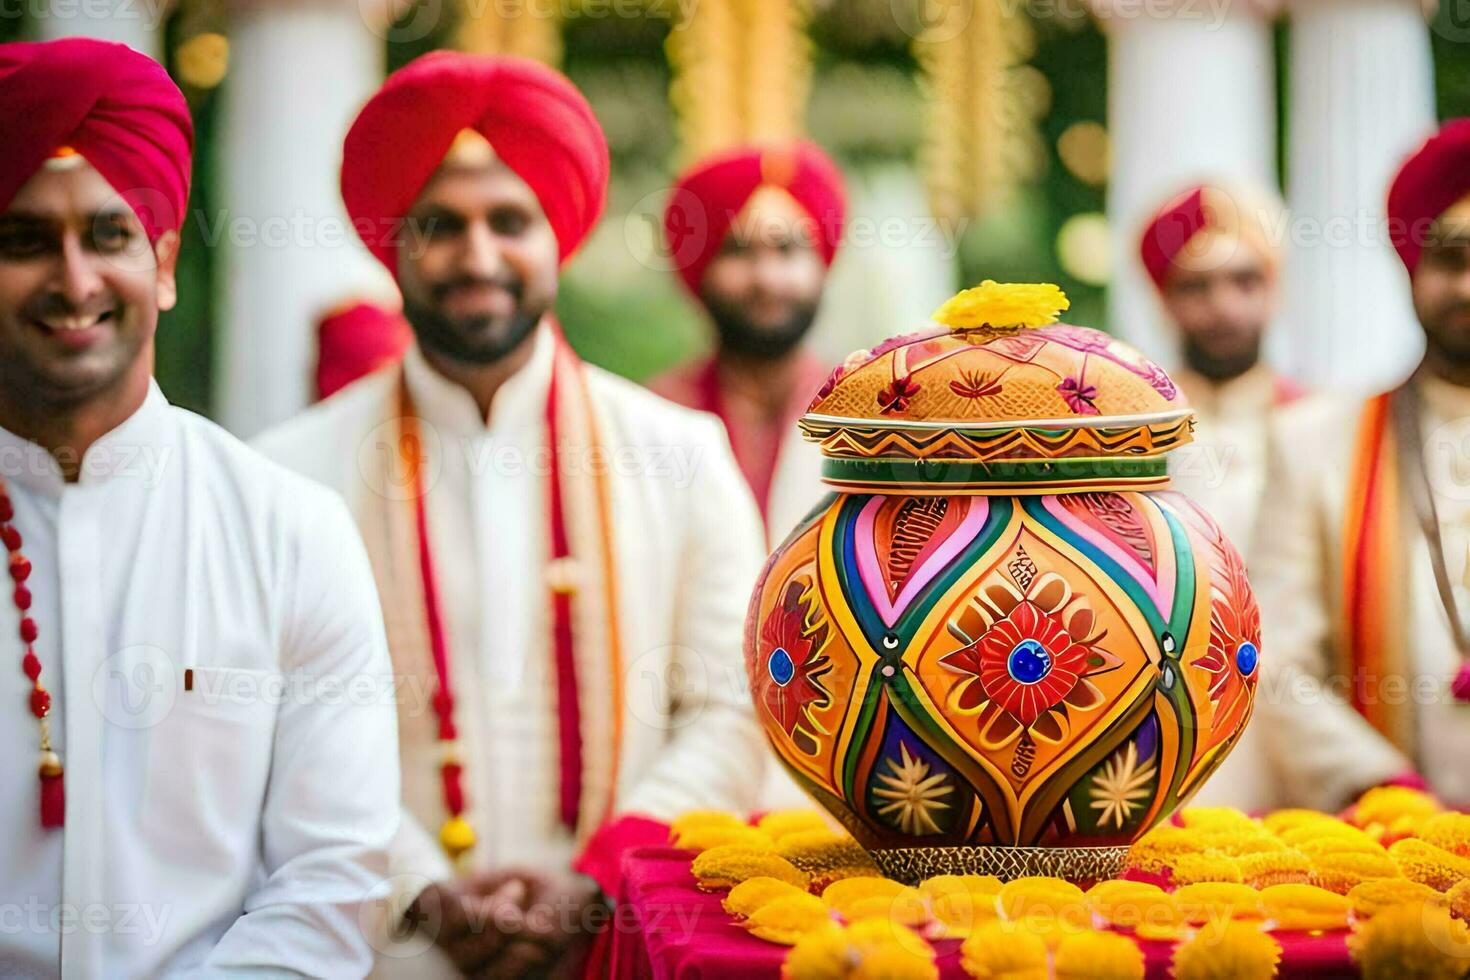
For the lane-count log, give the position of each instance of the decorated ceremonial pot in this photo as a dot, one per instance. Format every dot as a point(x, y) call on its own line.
point(1004, 646)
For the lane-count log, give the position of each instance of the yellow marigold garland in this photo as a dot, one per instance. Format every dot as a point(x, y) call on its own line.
point(1003, 305)
point(1275, 868)
point(1191, 869)
point(778, 823)
point(1450, 831)
point(1239, 951)
point(1342, 871)
point(705, 836)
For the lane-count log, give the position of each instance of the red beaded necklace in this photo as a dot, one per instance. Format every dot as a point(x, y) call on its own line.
point(53, 799)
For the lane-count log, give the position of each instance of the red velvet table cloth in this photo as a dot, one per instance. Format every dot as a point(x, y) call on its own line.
point(669, 930)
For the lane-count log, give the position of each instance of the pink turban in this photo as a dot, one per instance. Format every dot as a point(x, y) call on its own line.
point(539, 125)
point(114, 106)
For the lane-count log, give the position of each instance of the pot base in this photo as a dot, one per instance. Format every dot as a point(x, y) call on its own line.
point(1078, 864)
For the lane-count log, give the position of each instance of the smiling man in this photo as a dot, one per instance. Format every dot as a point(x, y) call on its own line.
point(564, 559)
point(1361, 566)
point(175, 796)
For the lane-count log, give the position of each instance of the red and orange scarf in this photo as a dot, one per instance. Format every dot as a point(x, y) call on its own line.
point(1374, 584)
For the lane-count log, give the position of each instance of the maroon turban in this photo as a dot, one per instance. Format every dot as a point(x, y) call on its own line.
point(114, 106)
point(710, 195)
point(1435, 177)
point(539, 125)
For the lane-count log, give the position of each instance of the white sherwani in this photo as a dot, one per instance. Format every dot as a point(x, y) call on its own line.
point(1224, 470)
point(231, 822)
point(687, 546)
point(1320, 748)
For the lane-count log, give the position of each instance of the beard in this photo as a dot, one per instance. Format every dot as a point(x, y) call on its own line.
point(738, 335)
point(477, 339)
point(1222, 365)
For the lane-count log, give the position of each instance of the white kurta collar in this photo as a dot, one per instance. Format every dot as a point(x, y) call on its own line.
point(451, 409)
point(1248, 392)
point(129, 449)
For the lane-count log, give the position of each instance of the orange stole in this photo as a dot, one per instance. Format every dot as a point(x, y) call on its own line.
point(1374, 588)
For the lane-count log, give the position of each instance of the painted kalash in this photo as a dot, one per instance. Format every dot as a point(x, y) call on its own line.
point(1004, 646)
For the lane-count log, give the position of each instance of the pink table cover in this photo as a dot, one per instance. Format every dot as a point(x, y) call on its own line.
point(667, 929)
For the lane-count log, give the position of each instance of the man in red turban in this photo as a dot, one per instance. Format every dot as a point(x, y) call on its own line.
point(538, 527)
point(752, 233)
point(1362, 567)
point(154, 554)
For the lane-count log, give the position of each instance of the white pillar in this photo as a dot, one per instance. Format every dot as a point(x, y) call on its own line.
point(136, 23)
point(299, 72)
point(1191, 96)
point(1361, 98)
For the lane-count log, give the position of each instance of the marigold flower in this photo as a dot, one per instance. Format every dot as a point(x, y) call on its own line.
point(1275, 868)
point(1003, 304)
point(1302, 908)
point(1098, 956)
point(1218, 901)
point(1190, 869)
point(1238, 951)
point(779, 823)
point(1450, 831)
point(1000, 951)
point(1386, 805)
point(725, 867)
point(1341, 872)
point(752, 893)
point(1372, 897)
point(1433, 866)
point(785, 920)
point(1411, 942)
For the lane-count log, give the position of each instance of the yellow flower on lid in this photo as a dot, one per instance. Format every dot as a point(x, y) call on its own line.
point(786, 919)
point(1412, 941)
point(1238, 951)
point(1002, 952)
point(727, 866)
point(1098, 956)
point(752, 893)
point(1003, 306)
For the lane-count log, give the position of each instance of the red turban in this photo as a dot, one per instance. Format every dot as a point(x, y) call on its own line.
point(114, 106)
point(1205, 209)
point(709, 196)
point(1436, 176)
point(539, 125)
point(356, 340)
